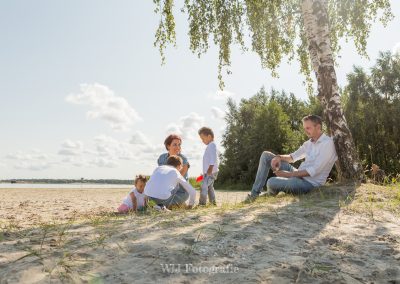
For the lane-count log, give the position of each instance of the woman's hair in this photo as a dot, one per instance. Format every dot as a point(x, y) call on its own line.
point(174, 161)
point(140, 177)
point(170, 138)
point(206, 131)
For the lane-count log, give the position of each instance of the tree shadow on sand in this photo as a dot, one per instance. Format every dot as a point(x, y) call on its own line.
point(274, 240)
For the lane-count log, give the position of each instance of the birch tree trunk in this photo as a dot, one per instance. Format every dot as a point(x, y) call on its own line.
point(316, 25)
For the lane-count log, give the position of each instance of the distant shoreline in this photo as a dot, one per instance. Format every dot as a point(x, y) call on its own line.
point(67, 181)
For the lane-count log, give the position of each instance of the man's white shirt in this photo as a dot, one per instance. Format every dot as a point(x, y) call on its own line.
point(320, 157)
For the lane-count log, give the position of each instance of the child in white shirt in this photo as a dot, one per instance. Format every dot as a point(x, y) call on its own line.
point(210, 166)
point(136, 199)
point(163, 185)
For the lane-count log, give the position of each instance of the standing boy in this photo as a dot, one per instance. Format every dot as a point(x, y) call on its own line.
point(210, 166)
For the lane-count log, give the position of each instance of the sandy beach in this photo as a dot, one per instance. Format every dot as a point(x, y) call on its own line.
point(28, 207)
point(346, 234)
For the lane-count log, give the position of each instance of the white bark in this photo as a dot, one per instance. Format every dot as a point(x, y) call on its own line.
point(316, 24)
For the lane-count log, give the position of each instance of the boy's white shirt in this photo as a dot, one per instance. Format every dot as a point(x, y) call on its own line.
point(210, 157)
point(165, 179)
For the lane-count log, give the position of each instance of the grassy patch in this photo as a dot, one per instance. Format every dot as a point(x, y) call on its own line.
point(371, 198)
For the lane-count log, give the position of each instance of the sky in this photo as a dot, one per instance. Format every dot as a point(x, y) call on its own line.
point(84, 95)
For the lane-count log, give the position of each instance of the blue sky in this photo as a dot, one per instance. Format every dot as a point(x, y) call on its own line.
point(83, 93)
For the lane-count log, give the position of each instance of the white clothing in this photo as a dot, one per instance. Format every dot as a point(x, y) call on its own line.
point(165, 179)
point(140, 199)
point(210, 157)
point(319, 159)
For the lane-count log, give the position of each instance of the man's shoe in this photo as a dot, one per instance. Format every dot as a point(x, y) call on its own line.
point(161, 208)
point(265, 195)
point(250, 198)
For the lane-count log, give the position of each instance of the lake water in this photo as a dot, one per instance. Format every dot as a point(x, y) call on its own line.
point(69, 185)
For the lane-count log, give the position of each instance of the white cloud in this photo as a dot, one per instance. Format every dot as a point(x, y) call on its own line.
point(221, 95)
point(34, 160)
point(105, 105)
point(104, 163)
point(173, 128)
point(71, 148)
point(152, 149)
point(32, 165)
point(68, 152)
point(187, 126)
point(194, 151)
point(72, 145)
point(32, 156)
point(217, 113)
point(110, 148)
point(138, 138)
point(89, 152)
point(396, 49)
point(106, 153)
point(144, 146)
point(76, 162)
point(15, 156)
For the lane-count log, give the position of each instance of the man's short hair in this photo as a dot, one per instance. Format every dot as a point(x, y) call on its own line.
point(170, 138)
point(314, 118)
point(174, 161)
point(206, 131)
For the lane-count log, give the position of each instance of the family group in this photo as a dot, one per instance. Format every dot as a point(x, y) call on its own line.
point(168, 186)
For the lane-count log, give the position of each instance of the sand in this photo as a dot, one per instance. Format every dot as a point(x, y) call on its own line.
point(27, 207)
point(338, 234)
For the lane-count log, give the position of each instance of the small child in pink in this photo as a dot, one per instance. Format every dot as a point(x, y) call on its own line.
point(136, 200)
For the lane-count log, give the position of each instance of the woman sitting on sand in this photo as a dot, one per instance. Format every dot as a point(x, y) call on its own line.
point(173, 145)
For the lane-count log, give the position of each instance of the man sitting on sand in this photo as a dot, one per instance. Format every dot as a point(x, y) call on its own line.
point(319, 153)
point(163, 188)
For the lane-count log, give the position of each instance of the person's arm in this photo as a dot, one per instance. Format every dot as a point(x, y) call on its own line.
point(324, 158)
point(212, 158)
point(184, 169)
point(189, 189)
point(285, 158)
point(134, 201)
point(286, 174)
point(276, 161)
point(185, 166)
point(146, 201)
point(295, 156)
point(209, 170)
